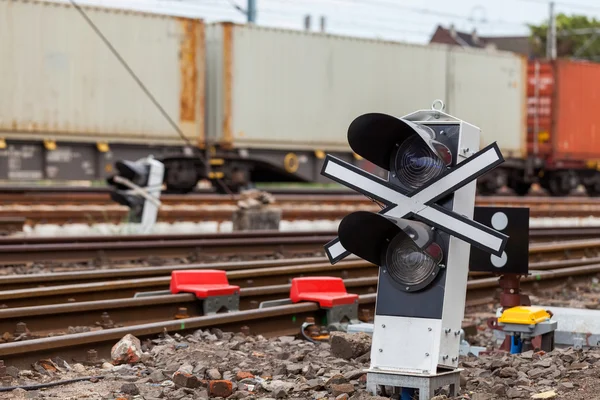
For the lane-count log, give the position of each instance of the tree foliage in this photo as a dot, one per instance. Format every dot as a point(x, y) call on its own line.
point(568, 43)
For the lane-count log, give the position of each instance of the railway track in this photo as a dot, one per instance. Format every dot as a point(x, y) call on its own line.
point(106, 249)
point(83, 303)
point(101, 196)
point(66, 287)
point(149, 316)
point(93, 208)
point(103, 303)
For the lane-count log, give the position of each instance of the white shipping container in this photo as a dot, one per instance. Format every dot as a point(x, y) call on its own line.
point(59, 81)
point(278, 89)
point(489, 91)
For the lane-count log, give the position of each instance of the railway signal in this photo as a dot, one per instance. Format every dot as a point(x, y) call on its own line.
point(138, 185)
point(420, 239)
point(513, 221)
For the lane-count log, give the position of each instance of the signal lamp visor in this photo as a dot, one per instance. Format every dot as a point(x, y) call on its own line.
point(135, 172)
point(413, 151)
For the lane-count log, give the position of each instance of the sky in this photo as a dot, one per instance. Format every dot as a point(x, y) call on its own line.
point(400, 20)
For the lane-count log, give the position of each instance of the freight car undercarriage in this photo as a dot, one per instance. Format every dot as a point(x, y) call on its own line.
point(235, 170)
point(558, 179)
point(236, 173)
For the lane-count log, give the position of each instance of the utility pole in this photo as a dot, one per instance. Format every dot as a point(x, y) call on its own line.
point(307, 21)
point(323, 19)
point(251, 11)
point(551, 36)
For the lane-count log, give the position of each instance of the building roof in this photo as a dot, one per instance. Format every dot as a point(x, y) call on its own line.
point(516, 44)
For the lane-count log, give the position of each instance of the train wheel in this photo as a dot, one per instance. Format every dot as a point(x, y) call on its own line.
point(593, 189)
point(180, 176)
point(561, 183)
point(521, 188)
point(491, 183)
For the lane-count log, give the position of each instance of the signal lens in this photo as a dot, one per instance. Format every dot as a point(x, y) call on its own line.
point(411, 267)
point(416, 164)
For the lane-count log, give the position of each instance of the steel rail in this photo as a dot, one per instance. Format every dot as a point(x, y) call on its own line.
point(273, 321)
point(117, 214)
point(11, 282)
point(242, 273)
point(74, 194)
point(534, 233)
point(34, 249)
point(44, 319)
point(281, 197)
point(248, 235)
point(48, 318)
point(127, 288)
point(122, 250)
point(539, 252)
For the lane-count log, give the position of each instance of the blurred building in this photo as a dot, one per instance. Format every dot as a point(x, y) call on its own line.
point(515, 44)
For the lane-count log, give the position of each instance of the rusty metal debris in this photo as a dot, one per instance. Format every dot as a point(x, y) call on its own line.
point(105, 321)
point(182, 313)
point(92, 356)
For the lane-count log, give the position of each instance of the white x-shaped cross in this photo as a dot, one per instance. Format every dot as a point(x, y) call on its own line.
point(421, 203)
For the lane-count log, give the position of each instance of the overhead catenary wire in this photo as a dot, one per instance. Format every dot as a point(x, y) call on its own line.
point(296, 12)
point(422, 11)
point(587, 7)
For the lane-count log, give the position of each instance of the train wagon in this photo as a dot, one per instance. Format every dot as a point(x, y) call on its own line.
point(69, 109)
point(260, 104)
point(563, 125)
point(278, 100)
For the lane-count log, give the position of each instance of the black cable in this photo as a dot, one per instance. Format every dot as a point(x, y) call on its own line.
point(49, 384)
point(240, 9)
point(147, 91)
point(376, 202)
point(135, 77)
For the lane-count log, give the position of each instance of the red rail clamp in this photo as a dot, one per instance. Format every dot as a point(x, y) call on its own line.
point(327, 291)
point(209, 285)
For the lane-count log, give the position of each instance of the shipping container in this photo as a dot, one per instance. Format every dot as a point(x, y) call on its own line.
point(60, 82)
point(563, 127)
point(576, 119)
point(489, 91)
point(562, 110)
point(280, 89)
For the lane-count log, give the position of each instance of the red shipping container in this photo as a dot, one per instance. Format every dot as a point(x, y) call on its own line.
point(576, 134)
point(563, 98)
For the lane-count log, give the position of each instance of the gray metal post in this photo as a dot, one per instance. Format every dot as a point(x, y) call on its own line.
point(307, 22)
point(323, 21)
point(551, 37)
point(251, 10)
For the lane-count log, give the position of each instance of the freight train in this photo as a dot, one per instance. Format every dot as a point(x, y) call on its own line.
point(241, 104)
